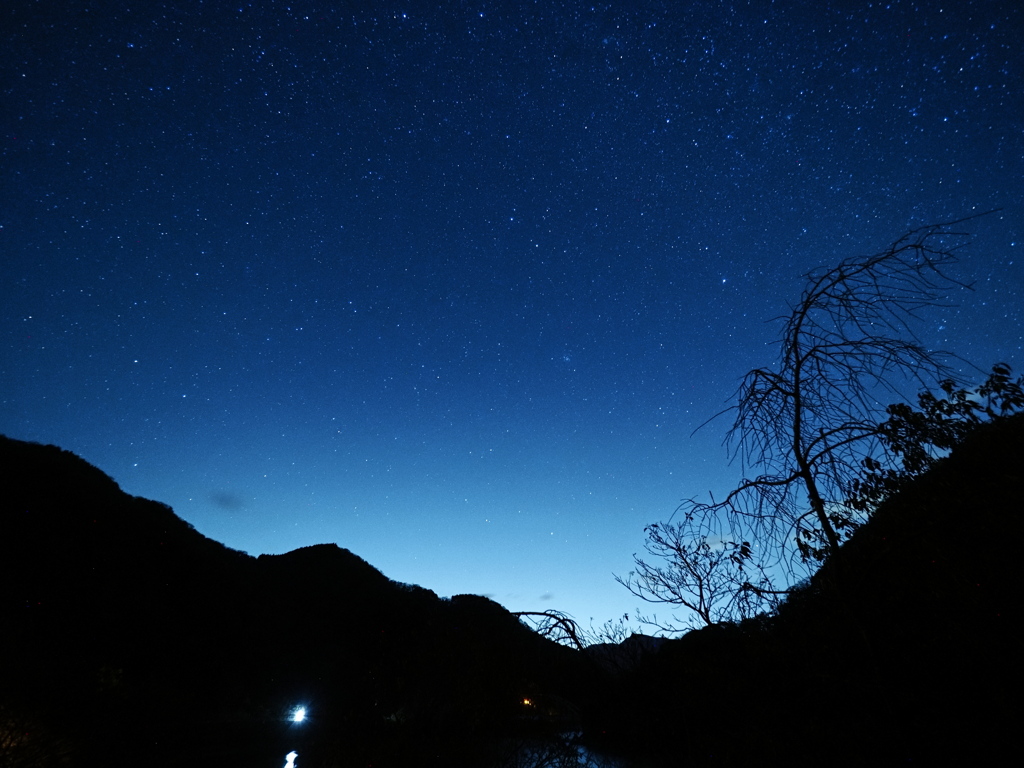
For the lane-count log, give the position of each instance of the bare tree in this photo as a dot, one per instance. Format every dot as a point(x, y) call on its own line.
point(809, 426)
point(612, 631)
point(564, 629)
point(713, 578)
point(554, 625)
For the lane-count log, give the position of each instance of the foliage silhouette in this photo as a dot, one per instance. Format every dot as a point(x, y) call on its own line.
point(919, 437)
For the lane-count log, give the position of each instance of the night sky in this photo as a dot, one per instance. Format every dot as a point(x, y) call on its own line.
point(452, 284)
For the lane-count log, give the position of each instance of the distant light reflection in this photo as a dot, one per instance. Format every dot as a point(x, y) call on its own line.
point(290, 757)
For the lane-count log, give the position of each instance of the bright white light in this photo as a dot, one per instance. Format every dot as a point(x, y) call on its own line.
point(290, 757)
point(299, 715)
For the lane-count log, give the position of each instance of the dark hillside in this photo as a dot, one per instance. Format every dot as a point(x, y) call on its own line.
point(904, 651)
point(127, 634)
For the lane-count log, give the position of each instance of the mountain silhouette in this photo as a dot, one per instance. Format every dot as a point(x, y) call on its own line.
point(130, 636)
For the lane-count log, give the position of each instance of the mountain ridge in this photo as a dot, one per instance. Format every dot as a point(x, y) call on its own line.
point(117, 607)
point(137, 638)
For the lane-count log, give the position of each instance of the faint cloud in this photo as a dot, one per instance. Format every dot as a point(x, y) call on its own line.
point(547, 596)
point(228, 501)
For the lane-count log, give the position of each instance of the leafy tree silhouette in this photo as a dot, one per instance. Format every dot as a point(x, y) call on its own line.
point(920, 436)
point(812, 428)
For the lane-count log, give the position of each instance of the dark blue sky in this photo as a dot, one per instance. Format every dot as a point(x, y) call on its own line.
point(452, 287)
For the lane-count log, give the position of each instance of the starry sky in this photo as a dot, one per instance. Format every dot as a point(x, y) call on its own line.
point(452, 284)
